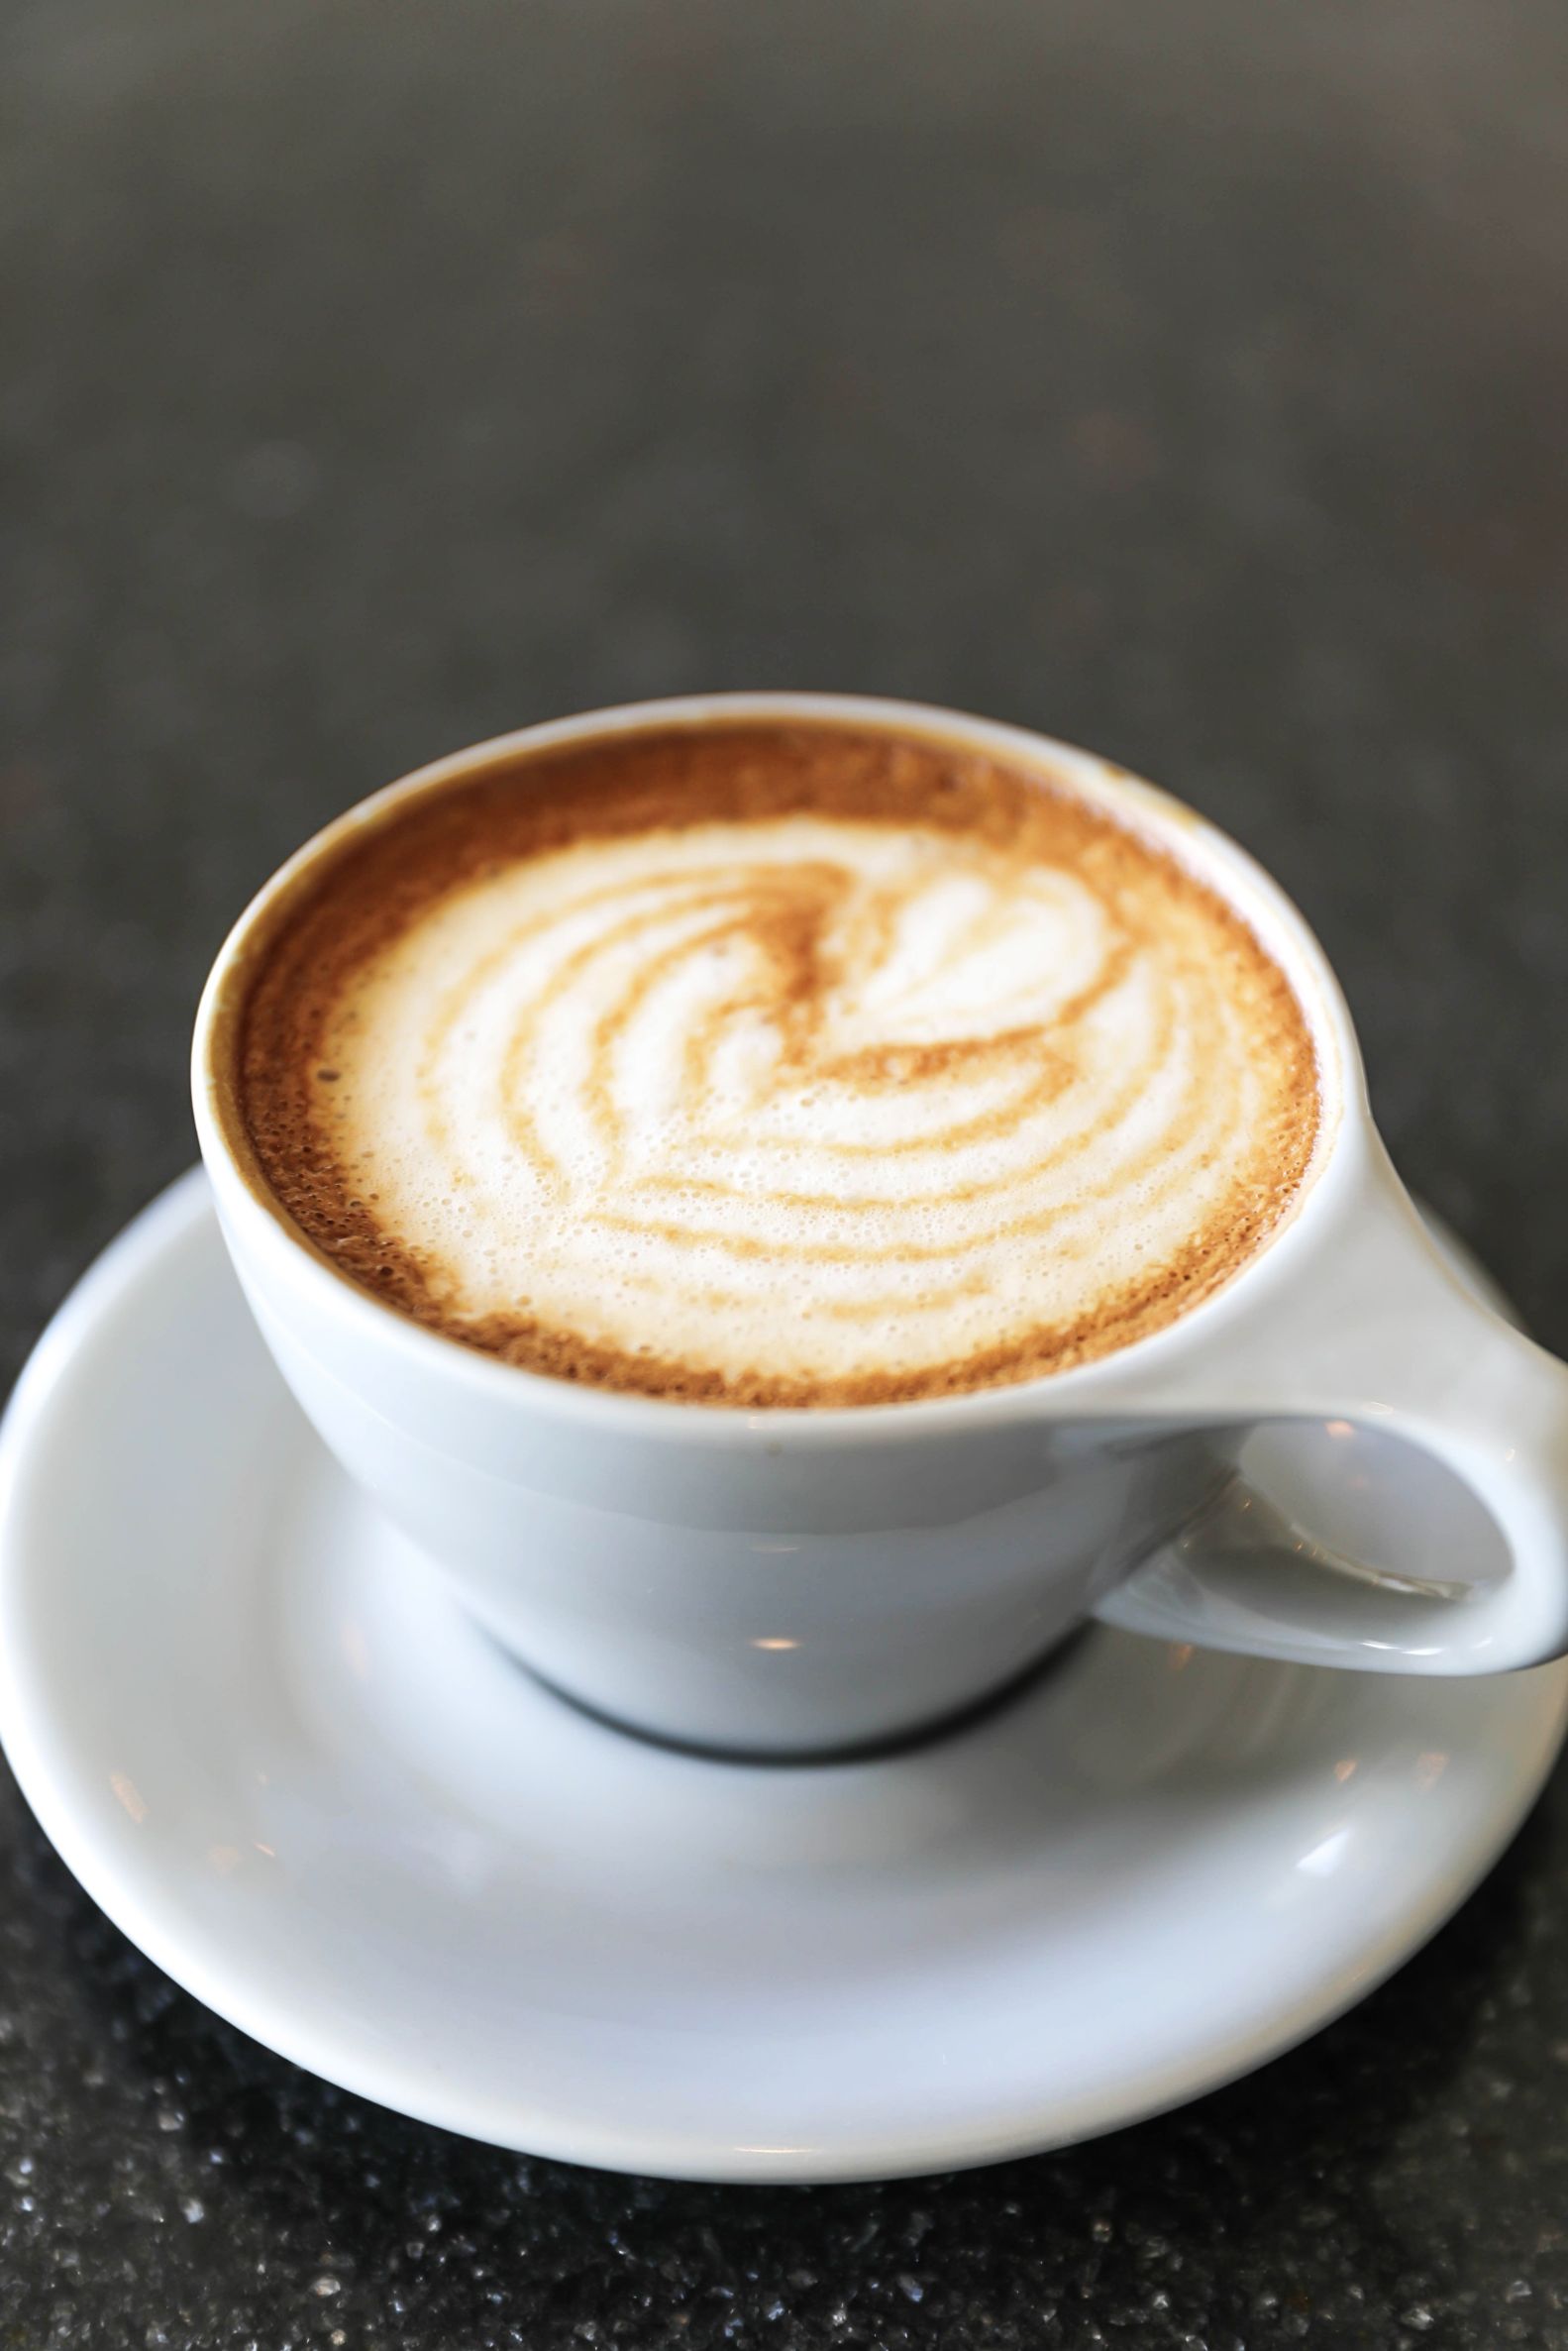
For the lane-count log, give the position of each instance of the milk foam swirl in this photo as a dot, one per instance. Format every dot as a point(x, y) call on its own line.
point(812, 1104)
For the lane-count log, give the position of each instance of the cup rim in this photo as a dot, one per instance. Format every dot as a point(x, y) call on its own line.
point(1216, 857)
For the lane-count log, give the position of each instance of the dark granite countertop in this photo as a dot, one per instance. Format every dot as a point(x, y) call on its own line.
point(1188, 381)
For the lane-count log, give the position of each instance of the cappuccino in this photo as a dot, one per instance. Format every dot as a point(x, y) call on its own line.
point(774, 1064)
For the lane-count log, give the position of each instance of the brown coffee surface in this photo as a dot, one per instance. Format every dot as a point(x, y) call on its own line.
point(763, 1064)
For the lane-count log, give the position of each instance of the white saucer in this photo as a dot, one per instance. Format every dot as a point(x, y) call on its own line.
point(293, 1773)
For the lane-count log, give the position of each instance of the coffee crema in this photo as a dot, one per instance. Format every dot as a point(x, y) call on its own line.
point(761, 1064)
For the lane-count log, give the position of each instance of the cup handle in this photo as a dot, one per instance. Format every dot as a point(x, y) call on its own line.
point(1372, 1334)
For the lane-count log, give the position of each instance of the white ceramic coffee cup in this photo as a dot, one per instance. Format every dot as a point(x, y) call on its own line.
point(795, 1581)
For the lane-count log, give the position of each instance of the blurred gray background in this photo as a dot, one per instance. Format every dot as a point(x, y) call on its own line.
point(1186, 379)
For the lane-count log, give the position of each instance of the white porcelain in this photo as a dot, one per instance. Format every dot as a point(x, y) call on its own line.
point(785, 1581)
point(289, 1767)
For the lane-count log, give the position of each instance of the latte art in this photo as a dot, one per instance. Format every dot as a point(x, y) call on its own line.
point(797, 1104)
point(683, 1082)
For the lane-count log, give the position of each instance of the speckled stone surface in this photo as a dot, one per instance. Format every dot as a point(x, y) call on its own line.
point(1186, 381)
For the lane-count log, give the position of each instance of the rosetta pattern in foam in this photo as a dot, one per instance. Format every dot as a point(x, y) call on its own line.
point(814, 1104)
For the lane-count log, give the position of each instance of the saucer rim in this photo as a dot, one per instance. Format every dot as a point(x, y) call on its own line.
point(36, 1735)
